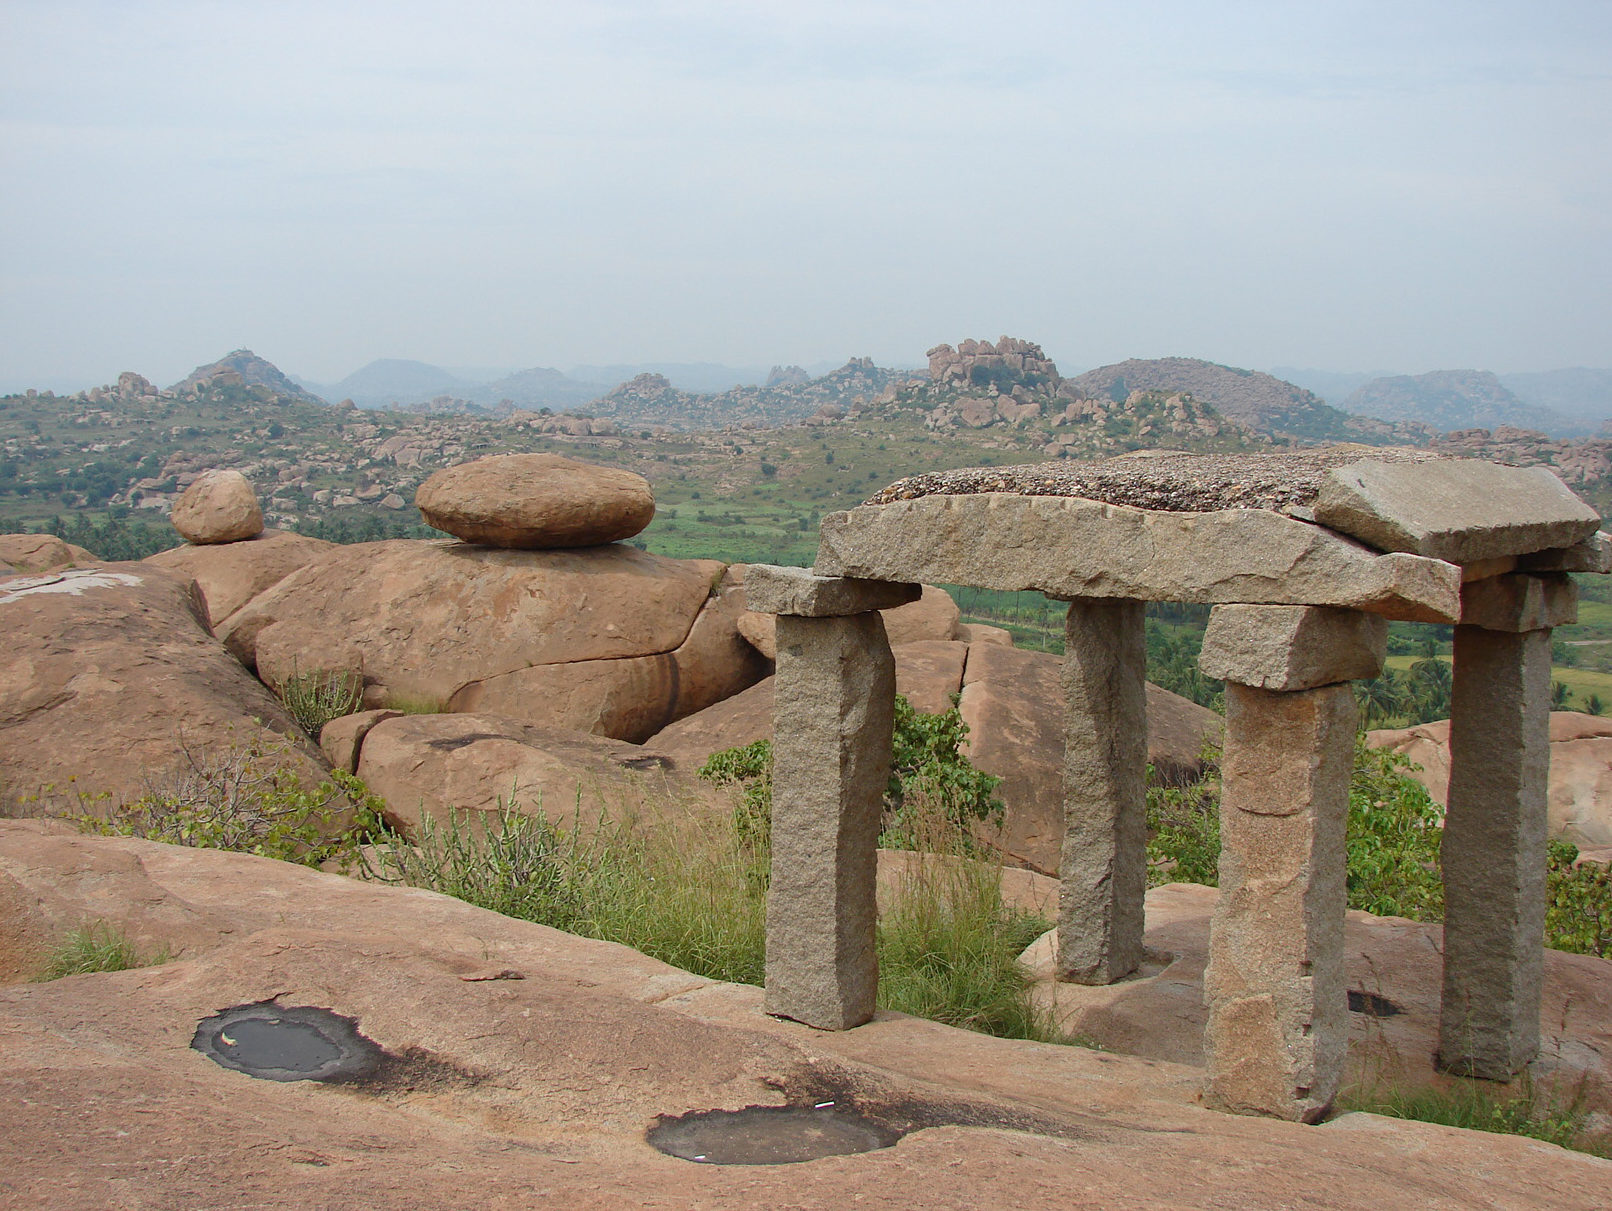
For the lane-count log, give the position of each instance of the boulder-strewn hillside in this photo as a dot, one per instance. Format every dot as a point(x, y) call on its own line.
point(1454, 399)
point(247, 368)
point(1252, 398)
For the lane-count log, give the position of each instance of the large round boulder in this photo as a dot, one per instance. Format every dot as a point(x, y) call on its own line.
point(536, 501)
point(112, 683)
point(25, 553)
point(219, 506)
point(609, 640)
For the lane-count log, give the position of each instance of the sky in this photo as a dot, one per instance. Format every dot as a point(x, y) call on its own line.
point(1349, 186)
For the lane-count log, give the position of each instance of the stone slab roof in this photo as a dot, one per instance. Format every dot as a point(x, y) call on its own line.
point(1165, 480)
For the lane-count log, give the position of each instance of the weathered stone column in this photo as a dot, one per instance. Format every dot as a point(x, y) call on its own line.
point(835, 705)
point(1278, 1012)
point(1103, 867)
point(1494, 825)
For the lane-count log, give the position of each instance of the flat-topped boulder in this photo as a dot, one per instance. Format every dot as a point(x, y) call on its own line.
point(219, 506)
point(536, 501)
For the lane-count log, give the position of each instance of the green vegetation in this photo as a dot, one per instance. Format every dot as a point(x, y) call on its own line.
point(928, 773)
point(1394, 833)
point(1477, 1106)
point(237, 797)
point(694, 895)
point(314, 699)
point(97, 947)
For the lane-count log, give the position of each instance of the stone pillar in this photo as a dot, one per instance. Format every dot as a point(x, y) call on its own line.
point(1103, 867)
point(835, 707)
point(1494, 826)
point(1278, 1010)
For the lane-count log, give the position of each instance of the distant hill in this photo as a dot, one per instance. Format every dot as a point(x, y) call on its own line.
point(707, 378)
point(252, 370)
point(1252, 398)
point(1579, 393)
point(393, 380)
point(651, 399)
point(1453, 399)
point(1333, 386)
point(539, 387)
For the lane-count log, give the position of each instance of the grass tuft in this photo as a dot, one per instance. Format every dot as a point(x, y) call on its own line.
point(1530, 1110)
point(97, 947)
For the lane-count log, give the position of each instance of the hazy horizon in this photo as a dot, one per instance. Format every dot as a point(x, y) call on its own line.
point(1415, 187)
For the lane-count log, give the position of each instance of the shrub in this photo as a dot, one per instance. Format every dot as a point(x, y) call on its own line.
point(927, 764)
point(1578, 903)
point(314, 699)
point(240, 798)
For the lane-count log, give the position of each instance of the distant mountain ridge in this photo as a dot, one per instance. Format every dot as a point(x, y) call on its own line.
point(650, 399)
point(1453, 399)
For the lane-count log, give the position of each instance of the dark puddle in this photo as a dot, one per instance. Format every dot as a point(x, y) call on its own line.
point(276, 1042)
point(829, 1113)
point(1372, 1005)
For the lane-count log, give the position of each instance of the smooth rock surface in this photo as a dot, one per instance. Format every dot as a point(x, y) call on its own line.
point(27, 554)
point(601, 639)
point(434, 765)
point(110, 678)
point(219, 506)
point(1292, 647)
point(1161, 1014)
point(230, 574)
point(1579, 798)
point(536, 501)
point(1079, 548)
point(1459, 510)
point(541, 1087)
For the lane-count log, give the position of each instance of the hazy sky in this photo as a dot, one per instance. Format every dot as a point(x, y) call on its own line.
point(1405, 186)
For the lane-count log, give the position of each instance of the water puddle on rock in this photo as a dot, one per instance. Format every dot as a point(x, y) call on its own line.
point(770, 1135)
point(287, 1043)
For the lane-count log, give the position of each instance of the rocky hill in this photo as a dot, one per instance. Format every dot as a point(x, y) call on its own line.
point(649, 400)
point(1580, 394)
point(244, 367)
point(1251, 398)
point(1453, 399)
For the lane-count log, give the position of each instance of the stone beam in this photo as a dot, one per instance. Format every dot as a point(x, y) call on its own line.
point(1278, 1009)
point(1103, 868)
point(1494, 852)
point(1519, 603)
point(1458, 510)
point(835, 708)
point(1073, 548)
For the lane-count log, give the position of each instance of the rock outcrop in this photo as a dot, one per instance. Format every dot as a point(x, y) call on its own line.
point(523, 1063)
point(609, 640)
point(219, 506)
point(536, 502)
point(1580, 795)
point(111, 681)
point(32, 553)
point(980, 363)
point(229, 575)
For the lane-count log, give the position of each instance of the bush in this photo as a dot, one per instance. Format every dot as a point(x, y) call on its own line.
point(240, 798)
point(927, 765)
point(314, 699)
